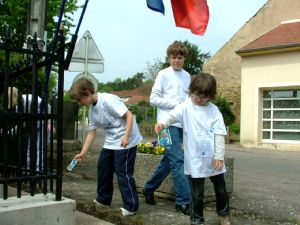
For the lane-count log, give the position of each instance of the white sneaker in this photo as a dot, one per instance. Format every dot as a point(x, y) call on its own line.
point(125, 212)
point(100, 204)
point(224, 220)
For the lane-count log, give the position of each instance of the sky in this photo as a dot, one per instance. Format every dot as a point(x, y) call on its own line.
point(129, 35)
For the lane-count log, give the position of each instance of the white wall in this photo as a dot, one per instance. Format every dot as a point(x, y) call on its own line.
point(280, 70)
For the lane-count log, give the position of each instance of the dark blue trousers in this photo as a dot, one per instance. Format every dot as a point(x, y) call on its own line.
point(121, 162)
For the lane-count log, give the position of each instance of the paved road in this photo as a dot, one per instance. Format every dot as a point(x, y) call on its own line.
point(266, 182)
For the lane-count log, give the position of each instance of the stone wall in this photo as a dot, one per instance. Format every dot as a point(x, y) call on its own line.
point(226, 64)
point(145, 165)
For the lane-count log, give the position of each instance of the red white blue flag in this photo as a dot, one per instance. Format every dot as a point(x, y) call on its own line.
point(190, 14)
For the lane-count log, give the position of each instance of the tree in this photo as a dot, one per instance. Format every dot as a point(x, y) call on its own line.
point(128, 84)
point(194, 61)
point(153, 68)
point(14, 15)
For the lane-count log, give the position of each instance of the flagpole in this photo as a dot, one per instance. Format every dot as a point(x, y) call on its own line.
point(85, 75)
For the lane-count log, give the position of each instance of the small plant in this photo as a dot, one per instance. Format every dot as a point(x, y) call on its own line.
point(224, 106)
point(151, 148)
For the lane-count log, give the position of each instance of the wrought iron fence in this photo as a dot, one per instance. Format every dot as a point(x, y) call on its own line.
point(27, 156)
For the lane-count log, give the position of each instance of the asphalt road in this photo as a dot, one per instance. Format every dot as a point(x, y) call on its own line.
point(266, 182)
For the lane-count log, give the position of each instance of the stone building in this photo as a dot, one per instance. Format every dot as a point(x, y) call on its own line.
point(226, 64)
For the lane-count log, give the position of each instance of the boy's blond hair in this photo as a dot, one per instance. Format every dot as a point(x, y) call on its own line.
point(177, 48)
point(81, 87)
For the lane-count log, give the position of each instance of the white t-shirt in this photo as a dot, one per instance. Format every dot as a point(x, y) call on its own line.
point(107, 114)
point(200, 125)
point(170, 88)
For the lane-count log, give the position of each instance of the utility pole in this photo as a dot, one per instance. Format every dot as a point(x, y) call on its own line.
point(88, 59)
point(37, 18)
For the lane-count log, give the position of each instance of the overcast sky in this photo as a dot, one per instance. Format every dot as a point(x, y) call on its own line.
point(129, 35)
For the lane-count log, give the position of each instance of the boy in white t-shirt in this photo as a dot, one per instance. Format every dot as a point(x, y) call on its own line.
point(118, 154)
point(171, 87)
point(204, 145)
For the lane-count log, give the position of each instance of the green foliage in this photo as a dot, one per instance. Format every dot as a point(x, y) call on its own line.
point(224, 107)
point(127, 84)
point(53, 9)
point(136, 110)
point(194, 60)
point(234, 128)
point(104, 88)
point(143, 112)
point(67, 98)
point(15, 15)
point(151, 111)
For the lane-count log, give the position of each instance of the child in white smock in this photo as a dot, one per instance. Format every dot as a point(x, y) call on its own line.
point(204, 145)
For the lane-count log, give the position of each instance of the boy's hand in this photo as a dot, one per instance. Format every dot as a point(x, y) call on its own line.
point(79, 157)
point(124, 141)
point(158, 127)
point(218, 164)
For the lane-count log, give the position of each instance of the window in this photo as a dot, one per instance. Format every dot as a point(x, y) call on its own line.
point(281, 115)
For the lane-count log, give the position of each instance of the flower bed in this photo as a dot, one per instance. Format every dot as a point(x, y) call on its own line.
point(149, 156)
point(151, 148)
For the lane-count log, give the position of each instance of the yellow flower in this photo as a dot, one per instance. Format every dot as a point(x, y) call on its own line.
point(150, 148)
point(148, 144)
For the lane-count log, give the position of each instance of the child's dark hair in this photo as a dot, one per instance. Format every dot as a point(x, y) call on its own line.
point(204, 84)
point(81, 87)
point(177, 48)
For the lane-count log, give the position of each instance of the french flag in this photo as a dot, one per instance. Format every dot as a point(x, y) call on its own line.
point(190, 14)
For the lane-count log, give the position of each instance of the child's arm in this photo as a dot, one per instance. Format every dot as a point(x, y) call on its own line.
point(128, 117)
point(220, 151)
point(89, 140)
point(156, 97)
point(165, 122)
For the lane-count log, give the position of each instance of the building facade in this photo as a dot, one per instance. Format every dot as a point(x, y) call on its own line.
point(270, 89)
point(226, 64)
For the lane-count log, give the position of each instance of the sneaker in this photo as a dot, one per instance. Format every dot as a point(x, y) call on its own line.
point(100, 204)
point(149, 197)
point(125, 212)
point(224, 220)
point(196, 222)
point(185, 209)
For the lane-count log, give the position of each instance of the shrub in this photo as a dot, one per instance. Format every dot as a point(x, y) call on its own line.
point(224, 106)
point(234, 128)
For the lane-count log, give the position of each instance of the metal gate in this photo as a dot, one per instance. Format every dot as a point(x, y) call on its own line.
point(29, 158)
